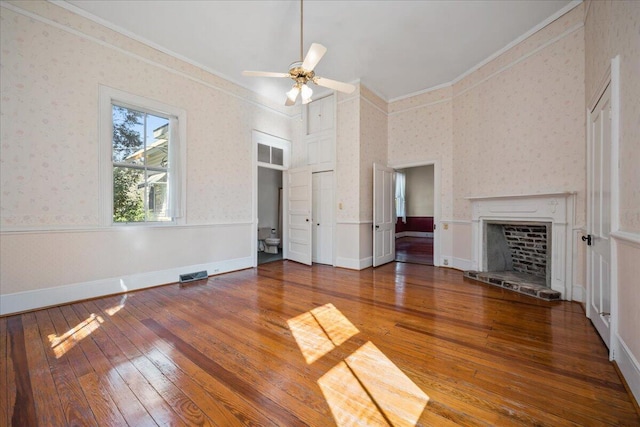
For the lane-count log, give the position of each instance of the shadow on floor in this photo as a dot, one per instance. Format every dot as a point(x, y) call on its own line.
point(264, 257)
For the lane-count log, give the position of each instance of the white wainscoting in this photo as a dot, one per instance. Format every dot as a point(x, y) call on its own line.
point(354, 248)
point(44, 268)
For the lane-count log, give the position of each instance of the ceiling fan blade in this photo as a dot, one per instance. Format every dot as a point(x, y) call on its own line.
point(264, 74)
point(315, 54)
point(333, 84)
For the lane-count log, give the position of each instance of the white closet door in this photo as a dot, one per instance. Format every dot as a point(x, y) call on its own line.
point(323, 218)
point(299, 215)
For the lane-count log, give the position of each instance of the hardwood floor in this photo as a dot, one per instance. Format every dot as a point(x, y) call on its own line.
point(415, 250)
point(286, 344)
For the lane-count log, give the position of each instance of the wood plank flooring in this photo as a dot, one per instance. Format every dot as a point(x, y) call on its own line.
point(415, 250)
point(288, 345)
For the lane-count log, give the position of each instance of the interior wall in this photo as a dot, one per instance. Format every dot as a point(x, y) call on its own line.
point(269, 183)
point(519, 122)
point(613, 28)
point(419, 191)
point(53, 63)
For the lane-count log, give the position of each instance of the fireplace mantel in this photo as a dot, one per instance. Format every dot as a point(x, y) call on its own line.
point(555, 208)
point(522, 196)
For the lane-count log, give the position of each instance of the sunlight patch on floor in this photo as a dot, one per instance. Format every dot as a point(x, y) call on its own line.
point(366, 388)
point(63, 343)
point(349, 402)
point(320, 330)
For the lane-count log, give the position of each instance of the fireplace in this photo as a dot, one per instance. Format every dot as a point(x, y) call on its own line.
point(524, 242)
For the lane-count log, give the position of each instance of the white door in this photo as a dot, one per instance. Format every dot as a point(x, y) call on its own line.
point(322, 218)
point(599, 217)
point(299, 215)
point(384, 236)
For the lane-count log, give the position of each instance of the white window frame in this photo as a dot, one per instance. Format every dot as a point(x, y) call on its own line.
point(177, 165)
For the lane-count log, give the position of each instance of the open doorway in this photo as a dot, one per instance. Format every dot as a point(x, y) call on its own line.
point(415, 211)
point(271, 156)
point(269, 215)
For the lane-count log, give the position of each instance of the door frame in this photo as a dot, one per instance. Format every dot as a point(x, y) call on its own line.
point(259, 137)
point(611, 78)
point(436, 201)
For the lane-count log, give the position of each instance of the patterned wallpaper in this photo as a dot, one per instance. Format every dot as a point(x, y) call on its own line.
point(49, 159)
point(522, 131)
point(373, 147)
point(612, 28)
point(514, 126)
point(348, 157)
point(424, 133)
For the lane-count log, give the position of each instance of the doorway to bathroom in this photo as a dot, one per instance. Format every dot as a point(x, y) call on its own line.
point(269, 215)
point(271, 160)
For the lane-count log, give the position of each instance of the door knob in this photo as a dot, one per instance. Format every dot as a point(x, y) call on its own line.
point(377, 226)
point(587, 239)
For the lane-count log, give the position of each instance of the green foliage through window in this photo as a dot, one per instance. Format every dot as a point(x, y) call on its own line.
point(140, 156)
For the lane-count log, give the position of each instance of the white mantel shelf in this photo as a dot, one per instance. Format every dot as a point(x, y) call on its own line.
point(522, 196)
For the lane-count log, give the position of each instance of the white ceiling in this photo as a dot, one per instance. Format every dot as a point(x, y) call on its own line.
point(395, 48)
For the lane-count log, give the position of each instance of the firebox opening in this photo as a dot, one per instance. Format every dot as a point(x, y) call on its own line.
point(520, 249)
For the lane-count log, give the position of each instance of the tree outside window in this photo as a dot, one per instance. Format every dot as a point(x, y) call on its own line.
point(140, 156)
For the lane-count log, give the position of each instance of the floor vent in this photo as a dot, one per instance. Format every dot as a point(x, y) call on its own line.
point(192, 277)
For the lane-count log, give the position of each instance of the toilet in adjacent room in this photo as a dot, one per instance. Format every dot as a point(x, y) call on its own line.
point(268, 240)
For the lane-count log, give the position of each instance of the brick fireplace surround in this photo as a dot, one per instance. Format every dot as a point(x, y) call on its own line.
point(556, 211)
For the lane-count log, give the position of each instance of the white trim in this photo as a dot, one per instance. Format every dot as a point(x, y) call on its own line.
point(532, 31)
point(414, 234)
point(350, 222)
point(629, 367)
point(490, 76)
point(457, 221)
point(627, 238)
point(103, 43)
point(523, 196)
point(259, 137)
point(578, 290)
point(120, 228)
point(437, 190)
point(540, 26)
point(354, 263)
point(106, 97)
point(41, 298)
point(461, 263)
point(421, 92)
point(373, 104)
point(426, 104)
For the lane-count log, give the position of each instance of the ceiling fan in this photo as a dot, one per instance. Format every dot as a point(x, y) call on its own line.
point(301, 72)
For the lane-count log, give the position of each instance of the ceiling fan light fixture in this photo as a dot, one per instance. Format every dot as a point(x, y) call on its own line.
point(306, 92)
point(293, 93)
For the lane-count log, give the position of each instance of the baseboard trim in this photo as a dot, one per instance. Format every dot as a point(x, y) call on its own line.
point(354, 263)
point(629, 368)
point(414, 234)
point(579, 293)
point(37, 299)
point(461, 264)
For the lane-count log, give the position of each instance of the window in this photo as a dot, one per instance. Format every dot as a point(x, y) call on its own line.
point(272, 152)
point(401, 208)
point(145, 160)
